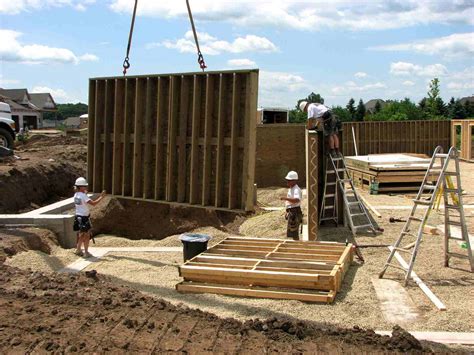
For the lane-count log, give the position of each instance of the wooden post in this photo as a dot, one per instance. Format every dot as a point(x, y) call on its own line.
point(312, 172)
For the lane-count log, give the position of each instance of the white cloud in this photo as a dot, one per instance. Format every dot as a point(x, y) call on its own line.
point(212, 46)
point(6, 82)
point(13, 7)
point(462, 81)
point(360, 74)
point(404, 68)
point(89, 57)
point(311, 15)
point(350, 87)
point(453, 46)
point(59, 95)
point(241, 63)
point(281, 89)
point(12, 50)
point(408, 83)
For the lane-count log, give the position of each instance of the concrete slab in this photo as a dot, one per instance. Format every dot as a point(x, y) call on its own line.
point(396, 305)
point(439, 337)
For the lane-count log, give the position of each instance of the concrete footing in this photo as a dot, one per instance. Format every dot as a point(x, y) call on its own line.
point(49, 217)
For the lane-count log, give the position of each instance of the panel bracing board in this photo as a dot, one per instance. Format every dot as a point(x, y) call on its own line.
point(186, 138)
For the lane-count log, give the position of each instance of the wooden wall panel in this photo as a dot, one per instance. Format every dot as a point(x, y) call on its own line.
point(178, 138)
point(420, 137)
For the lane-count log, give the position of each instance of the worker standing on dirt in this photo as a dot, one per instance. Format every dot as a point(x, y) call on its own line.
point(82, 222)
point(320, 117)
point(293, 215)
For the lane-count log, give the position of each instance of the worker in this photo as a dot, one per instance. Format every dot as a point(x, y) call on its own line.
point(293, 214)
point(320, 117)
point(82, 222)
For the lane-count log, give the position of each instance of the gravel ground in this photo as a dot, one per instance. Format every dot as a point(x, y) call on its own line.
point(39, 261)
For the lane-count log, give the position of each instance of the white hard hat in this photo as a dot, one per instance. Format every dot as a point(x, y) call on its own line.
point(292, 175)
point(81, 182)
point(303, 105)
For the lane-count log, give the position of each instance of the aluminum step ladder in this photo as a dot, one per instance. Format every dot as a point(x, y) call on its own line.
point(353, 206)
point(452, 197)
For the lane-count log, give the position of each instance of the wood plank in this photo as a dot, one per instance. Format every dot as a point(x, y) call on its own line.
point(195, 187)
point(250, 143)
point(255, 292)
point(150, 121)
point(235, 115)
point(97, 183)
point(162, 100)
point(204, 257)
point(108, 127)
point(220, 143)
point(140, 109)
point(119, 118)
point(171, 181)
point(91, 132)
point(183, 127)
point(130, 88)
point(208, 121)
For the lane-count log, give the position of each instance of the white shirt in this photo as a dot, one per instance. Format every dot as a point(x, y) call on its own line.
point(316, 110)
point(80, 201)
point(293, 192)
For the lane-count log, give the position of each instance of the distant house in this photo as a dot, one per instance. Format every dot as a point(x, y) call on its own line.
point(266, 115)
point(27, 109)
point(370, 105)
point(469, 99)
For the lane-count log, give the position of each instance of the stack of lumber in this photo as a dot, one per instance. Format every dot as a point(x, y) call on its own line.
point(391, 172)
point(269, 268)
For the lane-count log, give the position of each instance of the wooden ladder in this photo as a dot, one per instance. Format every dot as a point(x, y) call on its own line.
point(452, 195)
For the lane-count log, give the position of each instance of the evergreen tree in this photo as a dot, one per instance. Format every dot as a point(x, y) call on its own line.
point(351, 108)
point(360, 111)
point(378, 107)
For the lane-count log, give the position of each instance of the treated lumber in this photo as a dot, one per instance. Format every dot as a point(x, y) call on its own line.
point(220, 141)
point(108, 127)
point(433, 298)
point(233, 147)
point(150, 119)
point(119, 117)
point(204, 257)
point(209, 117)
point(98, 130)
point(91, 132)
point(184, 113)
point(195, 187)
point(162, 98)
point(130, 85)
point(255, 292)
point(172, 133)
point(140, 103)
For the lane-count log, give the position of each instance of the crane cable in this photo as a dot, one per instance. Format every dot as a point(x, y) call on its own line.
point(126, 62)
point(200, 60)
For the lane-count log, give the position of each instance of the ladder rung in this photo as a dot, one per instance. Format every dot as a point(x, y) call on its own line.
point(329, 195)
point(410, 234)
point(429, 187)
point(453, 223)
point(420, 202)
point(451, 173)
point(330, 171)
point(345, 180)
point(439, 155)
point(452, 207)
point(328, 207)
point(349, 191)
point(353, 203)
point(457, 255)
point(329, 219)
point(336, 159)
point(403, 250)
point(397, 267)
point(357, 214)
point(415, 219)
point(455, 191)
point(457, 239)
point(364, 226)
point(330, 184)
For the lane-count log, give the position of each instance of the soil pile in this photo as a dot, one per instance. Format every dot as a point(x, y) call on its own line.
point(13, 241)
point(150, 220)
point(87, 313)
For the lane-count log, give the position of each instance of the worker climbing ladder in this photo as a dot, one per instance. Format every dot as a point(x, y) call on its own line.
point(452, 197)
point(353, 206)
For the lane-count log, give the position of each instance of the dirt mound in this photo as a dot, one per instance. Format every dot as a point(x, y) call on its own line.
point(265, 225)
point(42, 140)
point(23, 189)
point(13, 241)
point(149, 220)
point(91, 314)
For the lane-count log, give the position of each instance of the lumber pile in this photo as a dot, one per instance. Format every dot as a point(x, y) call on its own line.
point(388, 172)
point(269, 268)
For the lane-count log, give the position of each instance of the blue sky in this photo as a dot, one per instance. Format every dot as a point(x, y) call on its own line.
point(340, 49)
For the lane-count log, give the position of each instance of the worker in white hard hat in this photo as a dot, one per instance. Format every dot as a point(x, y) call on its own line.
point(320, 117)
point(293, 198)
point(82, 221)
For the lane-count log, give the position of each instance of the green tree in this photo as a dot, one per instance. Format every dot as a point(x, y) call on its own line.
point(456, 110)
point(360, 111)
point(434, 102)
point(342, 113)
point(351, 108)
point(67, 110)
point(378, 107)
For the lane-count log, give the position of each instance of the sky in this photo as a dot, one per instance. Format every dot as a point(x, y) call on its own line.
point(339, 49)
